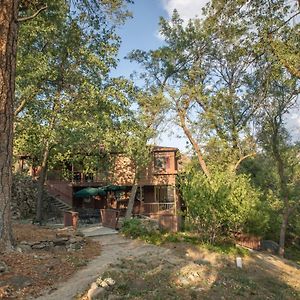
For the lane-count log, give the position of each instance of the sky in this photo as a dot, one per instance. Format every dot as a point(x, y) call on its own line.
point(142, 32)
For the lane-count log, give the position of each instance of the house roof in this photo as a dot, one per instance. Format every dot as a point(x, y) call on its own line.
point(164, 149)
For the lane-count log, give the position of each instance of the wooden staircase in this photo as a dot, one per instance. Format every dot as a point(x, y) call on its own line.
point(61, 195)
point(61, 205)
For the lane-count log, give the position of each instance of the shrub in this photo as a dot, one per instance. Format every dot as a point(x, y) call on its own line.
point(133, 228)
point(224, 203)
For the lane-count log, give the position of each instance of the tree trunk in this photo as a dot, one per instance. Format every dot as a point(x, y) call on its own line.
point(8, 50)
point(41, 182)
point(194, 144)
point(283, 188)
point(44, 166)
point(131, 201)
point(284, 224)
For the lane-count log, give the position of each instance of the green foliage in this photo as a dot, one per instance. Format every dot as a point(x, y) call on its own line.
point(133, 228)
point(222, 204)
point(65, 96)
point(293, 253)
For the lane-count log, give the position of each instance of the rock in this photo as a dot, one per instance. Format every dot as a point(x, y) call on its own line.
point(270, 246)
point(60, 241)
point(72, 240)
point(202, 262)
point(59, 248)
point(183, 281)
point(109, 281)
point(94, 285)
point(95, 293)
point(24, 193)
point(50, 267)
point(80, 239)
point(25, 248)
point(103, 284)
point(79, 233)
point(19, 249)
point(3, 267)
point(74, 247)
point(191, 277)
point(63, 235)
point(24, 243)
point(39, 246)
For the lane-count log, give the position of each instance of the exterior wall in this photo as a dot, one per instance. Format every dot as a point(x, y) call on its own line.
point(157, 182)
point(123, 170)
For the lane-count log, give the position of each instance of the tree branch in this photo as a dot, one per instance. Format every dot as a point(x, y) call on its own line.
point(288, 20)
point(34, 15)
point(243, 158)
point(21, 106)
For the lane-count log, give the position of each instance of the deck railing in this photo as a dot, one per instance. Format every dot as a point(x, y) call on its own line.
point(155, 207)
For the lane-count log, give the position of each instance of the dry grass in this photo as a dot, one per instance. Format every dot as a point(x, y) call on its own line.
point(192, 272)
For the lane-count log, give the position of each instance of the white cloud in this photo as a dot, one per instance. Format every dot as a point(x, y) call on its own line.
point(293, 124)
point(187, 8)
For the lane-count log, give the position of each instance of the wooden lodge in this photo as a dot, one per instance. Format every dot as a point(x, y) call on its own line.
point(156, 197)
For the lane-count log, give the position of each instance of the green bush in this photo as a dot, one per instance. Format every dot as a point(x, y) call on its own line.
point(133, 228)
point(222, 204)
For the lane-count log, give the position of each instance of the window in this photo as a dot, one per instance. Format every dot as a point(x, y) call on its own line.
point(161, 194)
point(164, 193)
point(161, 162)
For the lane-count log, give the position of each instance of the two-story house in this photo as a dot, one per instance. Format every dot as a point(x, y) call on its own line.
point(156, 197)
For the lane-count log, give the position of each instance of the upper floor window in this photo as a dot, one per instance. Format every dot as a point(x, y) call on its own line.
point(161, 162)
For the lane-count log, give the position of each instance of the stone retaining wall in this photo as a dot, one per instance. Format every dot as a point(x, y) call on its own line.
point(60, 243)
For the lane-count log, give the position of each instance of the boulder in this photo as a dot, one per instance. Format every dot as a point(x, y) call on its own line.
point(95, 293)
point(40, 246)
point(269, 246)
point(59, 248)
point(60, 241)
point(63, 235)
point(109, 281)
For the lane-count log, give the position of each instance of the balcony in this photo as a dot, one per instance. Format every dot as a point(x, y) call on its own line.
point(158, 208)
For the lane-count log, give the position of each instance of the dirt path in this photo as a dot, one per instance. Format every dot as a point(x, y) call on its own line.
point(114, 247)
point(181, 271)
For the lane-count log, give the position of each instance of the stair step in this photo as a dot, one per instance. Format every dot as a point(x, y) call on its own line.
point(61, 205)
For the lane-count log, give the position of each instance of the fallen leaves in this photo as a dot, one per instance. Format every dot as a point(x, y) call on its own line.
point(32, 273)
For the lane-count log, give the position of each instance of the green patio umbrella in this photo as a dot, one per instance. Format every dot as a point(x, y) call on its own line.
point(114, 188)
point(101, 191)
point(90, 191)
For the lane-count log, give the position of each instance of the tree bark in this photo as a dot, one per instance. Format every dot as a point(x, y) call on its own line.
point(283, 228)
point(41, 182)
point(194, 143)
point(283, 186)
point(8, 50)
point(45, 158)
point(131, 201)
